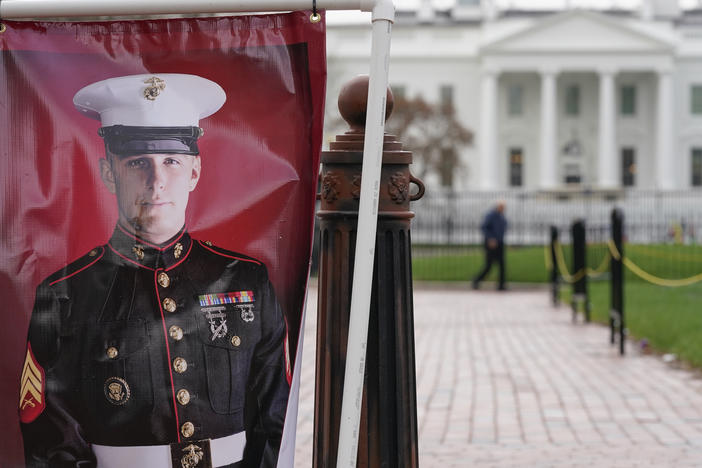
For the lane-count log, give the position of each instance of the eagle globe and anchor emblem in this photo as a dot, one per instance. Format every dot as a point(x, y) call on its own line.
point(152, 92)
point(193, 456)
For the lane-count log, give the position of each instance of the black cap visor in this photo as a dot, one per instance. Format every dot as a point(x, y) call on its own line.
point(124, 140)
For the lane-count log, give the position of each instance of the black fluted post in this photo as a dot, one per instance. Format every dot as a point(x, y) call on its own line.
point(554, 267)
point(616, 314)
point(580, 293)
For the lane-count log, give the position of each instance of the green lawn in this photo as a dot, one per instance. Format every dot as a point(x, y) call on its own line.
point(670, 319)
point(527, 264)
point(524, 264)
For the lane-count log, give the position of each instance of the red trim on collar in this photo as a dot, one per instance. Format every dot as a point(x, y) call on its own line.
point(190, 247)
point(138, 239)
point(168, 353)
point(78, 271)
point(229, 256)
point(129, 259)
point(286, 354)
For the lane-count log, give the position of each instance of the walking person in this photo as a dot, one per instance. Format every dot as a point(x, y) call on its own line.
point(493, 227)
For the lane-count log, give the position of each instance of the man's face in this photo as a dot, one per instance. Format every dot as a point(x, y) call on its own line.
point(152, 191)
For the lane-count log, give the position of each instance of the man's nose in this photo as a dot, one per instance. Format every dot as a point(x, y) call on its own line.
point(157, 177)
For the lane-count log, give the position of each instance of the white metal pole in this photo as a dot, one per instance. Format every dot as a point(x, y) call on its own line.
point(22, 9)
point(383, 17)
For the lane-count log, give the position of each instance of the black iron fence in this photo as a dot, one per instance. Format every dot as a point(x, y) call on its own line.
point(663, 228)
point(451, 218)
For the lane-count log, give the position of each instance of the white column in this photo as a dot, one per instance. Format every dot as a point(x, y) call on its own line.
point(489, 158)
point(489, 10)
point(665, 156)
point(608, 164)
point(548, 174)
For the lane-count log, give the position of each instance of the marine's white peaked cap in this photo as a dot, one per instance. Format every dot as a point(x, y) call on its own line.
point(151, 100)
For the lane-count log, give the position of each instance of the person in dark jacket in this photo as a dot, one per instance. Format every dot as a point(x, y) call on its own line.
point(154, 349)
point(494, 227)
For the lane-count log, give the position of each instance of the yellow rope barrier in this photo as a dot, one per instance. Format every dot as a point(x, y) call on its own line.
point(604, 264)
point(547, 258)
point(564, 269)
point(644, 275)
point(613, 250)
point(601, 269)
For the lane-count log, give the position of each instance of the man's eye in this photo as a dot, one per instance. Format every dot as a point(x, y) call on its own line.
point(136, 163)
point(171, 161)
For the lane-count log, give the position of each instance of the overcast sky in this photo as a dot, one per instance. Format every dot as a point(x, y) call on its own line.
point(531, 4)
point(335, 17)
point(554, 4)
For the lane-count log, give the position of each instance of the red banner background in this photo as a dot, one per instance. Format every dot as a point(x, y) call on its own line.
point(260, 152)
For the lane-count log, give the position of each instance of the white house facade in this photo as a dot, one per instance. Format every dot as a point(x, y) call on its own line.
point(604, 100)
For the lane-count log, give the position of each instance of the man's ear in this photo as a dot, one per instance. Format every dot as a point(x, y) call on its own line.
point(195, 174)
point(108, 177)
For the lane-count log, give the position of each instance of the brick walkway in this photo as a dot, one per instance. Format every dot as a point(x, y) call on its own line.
point(506, 380)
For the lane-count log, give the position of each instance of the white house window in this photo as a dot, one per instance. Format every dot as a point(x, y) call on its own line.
point(446, 96)
point(696, 99)
point(515, 97)
point(572, 173)
point(697, 167)
point(516, 167)
point(628, 167)
point(627, 104)
point(572, 100)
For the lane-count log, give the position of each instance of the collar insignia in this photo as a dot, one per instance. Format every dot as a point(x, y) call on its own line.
point(178, 250)
point(138, 251)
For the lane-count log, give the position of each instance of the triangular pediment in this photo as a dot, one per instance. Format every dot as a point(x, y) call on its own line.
point(578, 31)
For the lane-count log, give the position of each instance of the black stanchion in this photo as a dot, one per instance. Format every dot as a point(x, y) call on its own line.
point(554, 266)
point(580, 297)
point(616, 313)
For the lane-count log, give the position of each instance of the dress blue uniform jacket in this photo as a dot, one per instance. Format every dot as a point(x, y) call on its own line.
point(135, 341)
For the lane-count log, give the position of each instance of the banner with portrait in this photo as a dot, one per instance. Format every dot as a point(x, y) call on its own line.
point(158, 191)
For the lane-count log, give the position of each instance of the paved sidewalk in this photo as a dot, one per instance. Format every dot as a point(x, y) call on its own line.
point(506, 380)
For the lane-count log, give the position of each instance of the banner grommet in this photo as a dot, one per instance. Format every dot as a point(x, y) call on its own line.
point(315, 17)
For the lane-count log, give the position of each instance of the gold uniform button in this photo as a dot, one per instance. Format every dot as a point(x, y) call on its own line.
point(183, 396)
point(209, 243)
point(187, 429)
point(236, 341)
point(93, 252)
point(169, 304)
point(176, 332)
point(163, 280)
point(180, 365)
point(112, 352)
